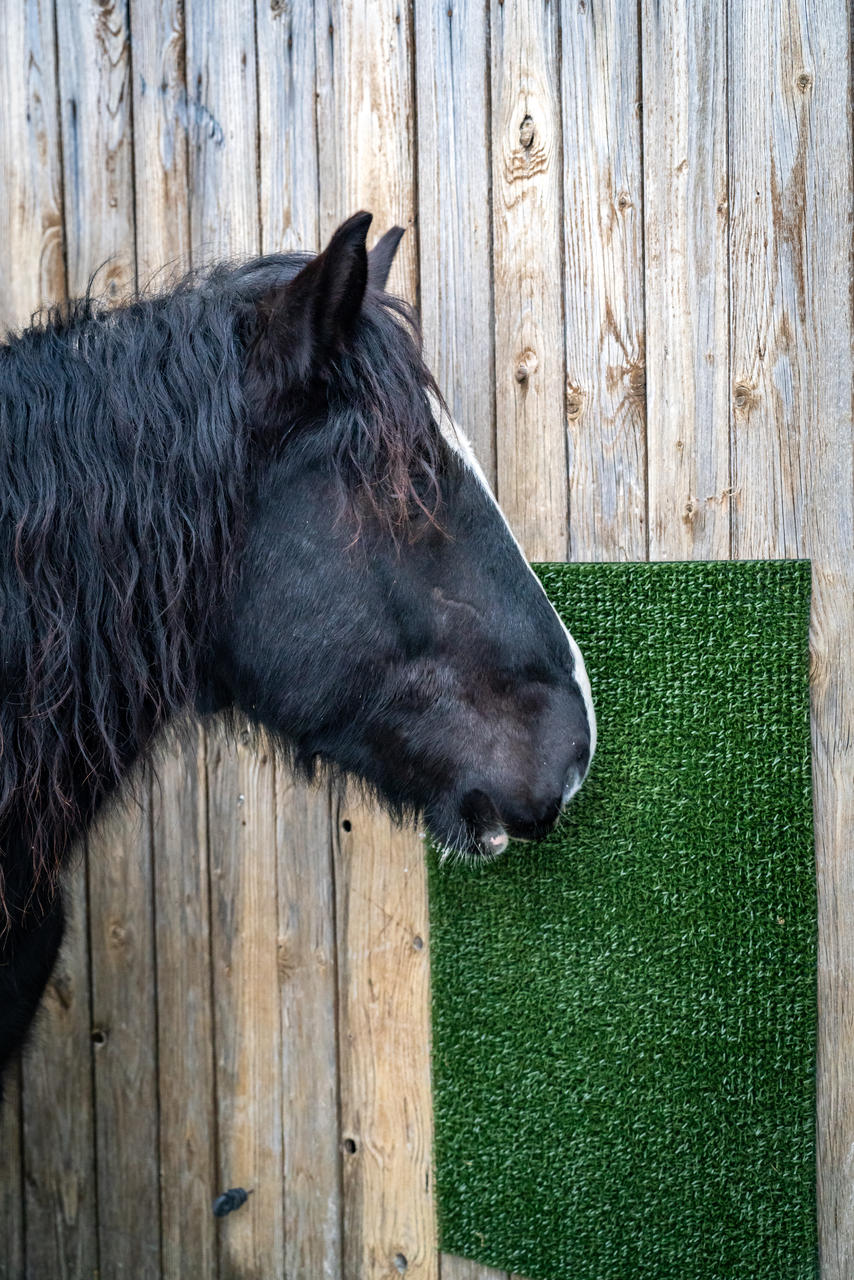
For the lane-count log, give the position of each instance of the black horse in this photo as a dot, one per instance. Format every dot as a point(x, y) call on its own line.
point(246, 494)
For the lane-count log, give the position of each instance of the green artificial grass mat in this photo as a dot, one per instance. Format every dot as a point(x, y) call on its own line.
point(624, 1015)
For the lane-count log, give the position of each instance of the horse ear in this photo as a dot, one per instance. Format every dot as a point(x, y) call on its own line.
point(304, 324)
point(381, 257)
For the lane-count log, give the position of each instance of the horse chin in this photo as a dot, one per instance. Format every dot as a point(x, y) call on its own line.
point(475, 836)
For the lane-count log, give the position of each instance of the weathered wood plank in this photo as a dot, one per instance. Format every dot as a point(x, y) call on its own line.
point(246, 1004)
point(365, 115)
point(11, 1177)
point(222, 120)
point(124, 1021)
point(366, 160)
point(687, 303)
point(187, 1129)
point(307, 971)
point(223, 105)
point(184, 1011)
point(94, 83)
point(59, 1140)
point(790, 169)
point(306, 932)
point(526, 216)
point(160, 142)
point(94, 68)
point(452, 75)
point(383, 1000)
point(603, 280)
point(31, 273)
point(454, 231)
point(287, 127)
point(31, 253)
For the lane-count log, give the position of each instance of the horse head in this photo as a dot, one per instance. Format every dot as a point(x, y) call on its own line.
point(384, 620)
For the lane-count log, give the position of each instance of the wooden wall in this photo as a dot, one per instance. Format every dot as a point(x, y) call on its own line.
point(629, 238)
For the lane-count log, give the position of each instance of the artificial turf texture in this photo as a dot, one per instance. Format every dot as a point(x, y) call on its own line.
point(624, 1015)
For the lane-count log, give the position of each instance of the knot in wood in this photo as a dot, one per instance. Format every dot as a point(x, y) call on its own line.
point(804, 81)
point(526, 366)
point(526, 133)
point(636, 378)
point(744, 397)
point(574, 401)
point(623, 201)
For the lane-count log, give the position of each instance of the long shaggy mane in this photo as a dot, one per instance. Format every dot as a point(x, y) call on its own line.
point(127, 442)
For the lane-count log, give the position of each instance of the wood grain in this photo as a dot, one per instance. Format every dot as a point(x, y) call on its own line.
point(454, 219)
point(222, 122)
point(790, 166)
point(94, 82)
point(366, 139)
point(178, 796)
point(383, 983)
point(124, 1021)
point(452, 76)
point(246, 1003)
point(287, 131)
point(687, 303)
point(186, 1102)
point(58, 1110)
point(31, 273)
point(94, 78)
point(11, 1176)
point(222, 110)
point(306, 902)
point(31, 251)
point(307, 978)
point(526, 218)
point(160, 142)
point(605, 407)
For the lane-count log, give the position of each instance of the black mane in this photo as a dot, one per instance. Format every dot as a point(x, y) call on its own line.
point(127, 442)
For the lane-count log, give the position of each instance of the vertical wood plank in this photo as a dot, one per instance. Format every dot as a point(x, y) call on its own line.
point(529, 343)
point(96, 114)
point(383, 1003)
point(246, 1003)
point(306, 930)
point(11, 1177)
point(287, 127)
point(790, 169)
point(223, 119)
point(454, 231)
point(187, 1129)
point(365, 115)
point(452, 78)
point(59, 1139)
point(94, 53)
point(31, 250)
point(161, 206)
point(604, 283)
point(31, 273)
point(184, 1013)
point(366, 160)
point(125, 1041)
point(57, 1104)
point(309, 1051)
point(687, 304)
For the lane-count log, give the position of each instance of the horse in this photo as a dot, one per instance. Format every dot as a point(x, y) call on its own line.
point(245, 495)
